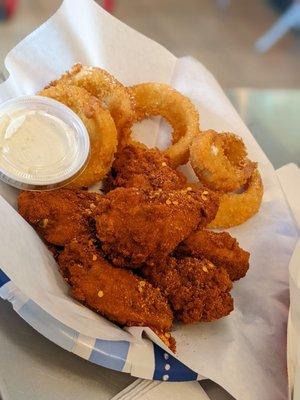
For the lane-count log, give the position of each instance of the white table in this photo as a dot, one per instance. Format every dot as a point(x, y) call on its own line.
point(33, 368)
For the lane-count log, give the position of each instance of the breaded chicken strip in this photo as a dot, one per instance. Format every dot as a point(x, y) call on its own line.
point(196, 289)
point(137, 227)
point(220, 248)
point(137, 166)
point(59, 215)
point(112, 292)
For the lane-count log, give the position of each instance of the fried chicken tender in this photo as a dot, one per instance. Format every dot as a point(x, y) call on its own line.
point(115, 293)
point(59, 215)
point(137, 227)
point(138, 166)
point(220, 248)
point(196, 289)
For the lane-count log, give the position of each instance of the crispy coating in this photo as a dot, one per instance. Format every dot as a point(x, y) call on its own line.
point(236, 208)
point(137, 166)
point(137, 227)
point(109, 91)
point(59, 215)
point(219, 160)
point(100, 126)
point(196, 289)
point(218, 247)
point(115, 293)
point(161, 99)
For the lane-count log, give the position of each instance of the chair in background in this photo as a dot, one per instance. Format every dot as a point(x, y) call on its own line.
point(108, 5)
point(7, 8)
point(289, 20)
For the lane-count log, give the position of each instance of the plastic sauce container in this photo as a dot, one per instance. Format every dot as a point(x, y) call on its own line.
point(43, 143)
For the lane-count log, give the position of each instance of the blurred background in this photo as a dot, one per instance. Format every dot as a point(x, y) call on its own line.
point(220, 33)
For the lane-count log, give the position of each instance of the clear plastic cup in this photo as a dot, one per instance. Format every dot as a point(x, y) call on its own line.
point(39, 159)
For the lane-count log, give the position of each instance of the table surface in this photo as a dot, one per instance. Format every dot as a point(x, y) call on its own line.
point(33, 368)
point(273, 118)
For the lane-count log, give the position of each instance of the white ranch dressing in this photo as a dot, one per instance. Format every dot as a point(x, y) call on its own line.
point(43, 144)
point(33, 140)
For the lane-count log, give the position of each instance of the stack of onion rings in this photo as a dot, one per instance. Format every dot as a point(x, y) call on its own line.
point(220, 163)
point(159, 99)
point(111, 93)
point(100, 127)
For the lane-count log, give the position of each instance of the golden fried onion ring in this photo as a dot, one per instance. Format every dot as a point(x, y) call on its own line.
point(111, 93)
point(159, 99)
point(100, 127)
point(236, 208)
point(219, 160)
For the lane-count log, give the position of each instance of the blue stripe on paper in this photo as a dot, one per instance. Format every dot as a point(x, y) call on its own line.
point(110, 354)
point(48, 326)
point(3, 278)
point(168, 368)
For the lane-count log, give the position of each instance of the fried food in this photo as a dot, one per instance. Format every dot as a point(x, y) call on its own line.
point(59, 215)
point(153, 99)
point(112, 94)
point(150, 220)
point(196, 289)
point(137, 227)
point(218, 247)
point(219, 160)
point(236, 208)
point(99, 124)
point(115, 293)
point(137, 166)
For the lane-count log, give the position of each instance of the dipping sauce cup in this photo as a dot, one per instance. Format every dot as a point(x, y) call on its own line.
point(43, 143)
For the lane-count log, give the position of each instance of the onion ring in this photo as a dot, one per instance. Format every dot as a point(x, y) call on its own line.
point(219, 160)
point(236, 208)
point(100, 127)
point(111, 93)
point(153, 99)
